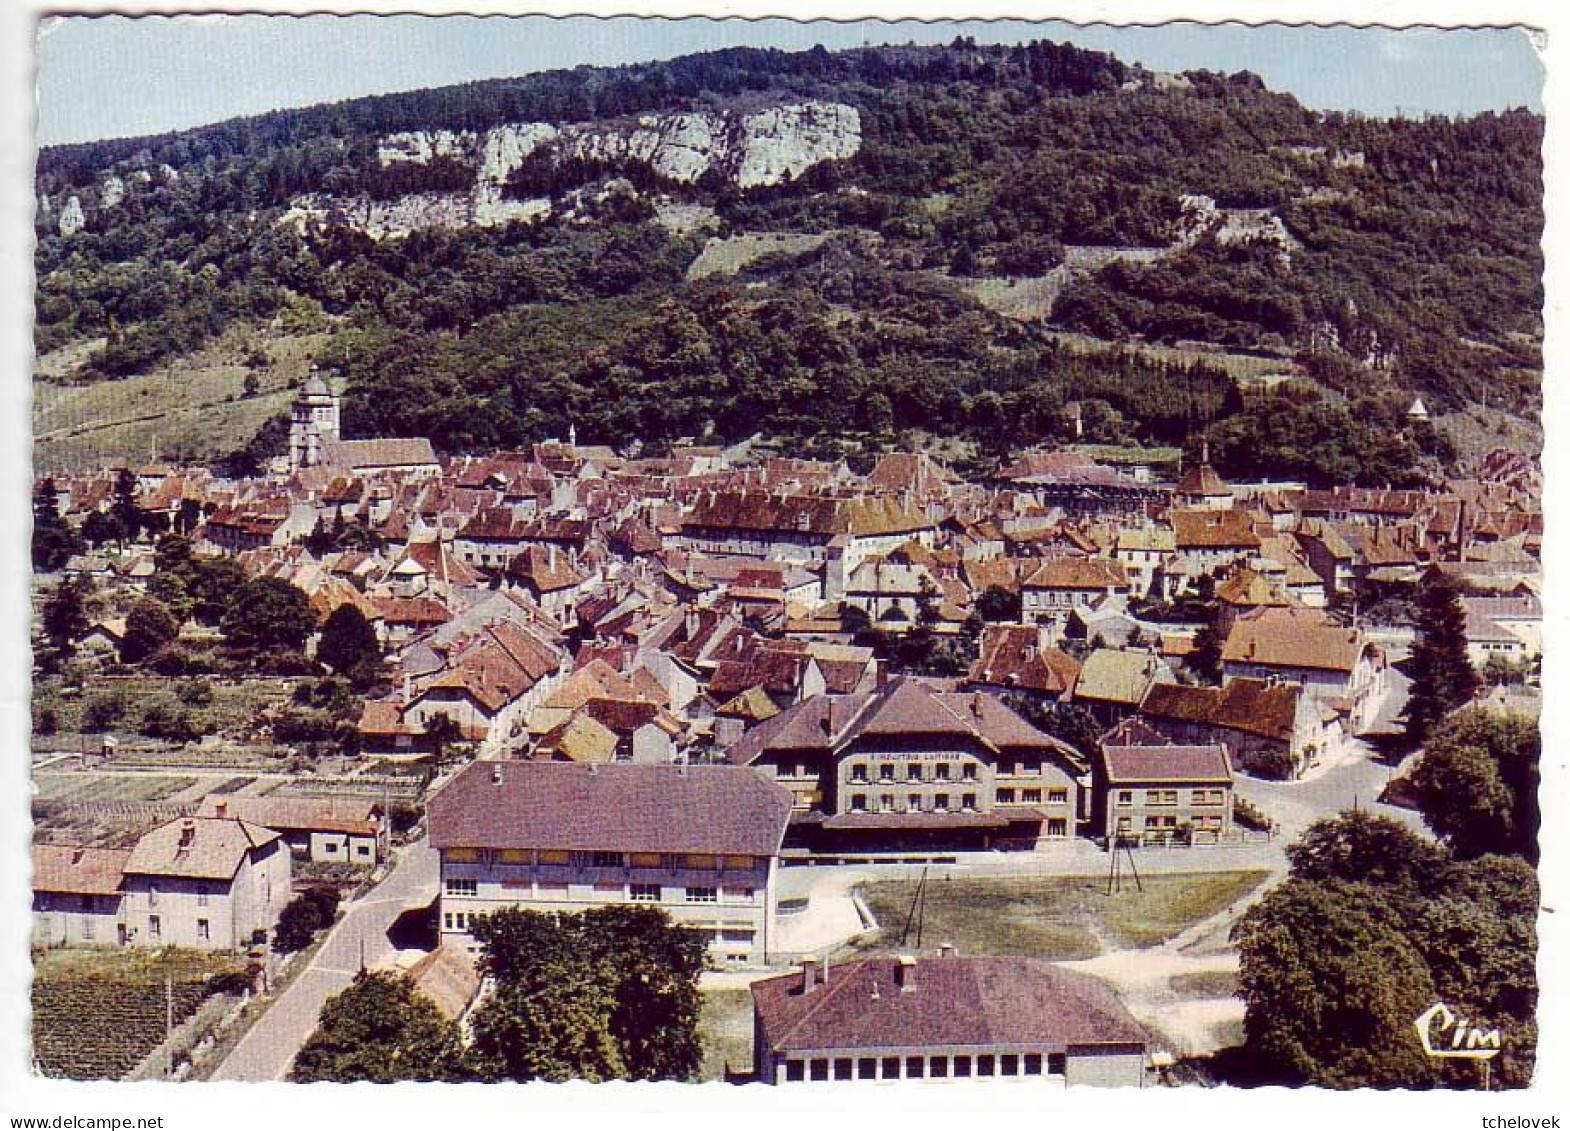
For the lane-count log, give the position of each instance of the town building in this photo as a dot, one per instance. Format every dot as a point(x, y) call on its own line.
point(700, 842)
point(908, 766)
point(1151, 794)
point(207, 882)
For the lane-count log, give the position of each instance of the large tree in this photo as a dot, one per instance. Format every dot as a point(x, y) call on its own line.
point(1477, 783)
point(54, 541)
point(1442, 675)
point(148, 627)
point(348, 644)
point(1332, 985)
point(382, 1030)
point(268, 613)
point(610, 993)
point(1364, 846)
point(66, 612)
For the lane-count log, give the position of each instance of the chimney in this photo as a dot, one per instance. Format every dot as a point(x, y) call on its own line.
point(809, 975)
point(905, 974)
point(496, 773)
point(187, 833)
point(221, 808)
point(975, 704)
point(948, 950)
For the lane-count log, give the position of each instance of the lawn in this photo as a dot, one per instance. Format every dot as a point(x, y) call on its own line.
point(725, 1028)
point(1060, 918)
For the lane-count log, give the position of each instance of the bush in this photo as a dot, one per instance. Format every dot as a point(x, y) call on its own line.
point(1271, 763)
point(305, 915)
point(1247, 814)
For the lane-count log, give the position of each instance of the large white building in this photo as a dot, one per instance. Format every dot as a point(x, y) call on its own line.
point(700, 842)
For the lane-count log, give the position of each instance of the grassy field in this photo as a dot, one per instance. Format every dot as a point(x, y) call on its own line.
point(1028, 299)
point(193, 408)
point(1245, 366)
point(234, 705)
point(725, 1028)
point(735, 253)
point(98, 1013)
point(1052, 917)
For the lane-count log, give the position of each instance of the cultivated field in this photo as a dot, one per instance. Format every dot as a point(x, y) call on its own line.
point(736, 253)
point(189, 410)
point(97, 1014)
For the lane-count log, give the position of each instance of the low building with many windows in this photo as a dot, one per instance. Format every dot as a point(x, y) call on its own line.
point(945, 1018)
point(701, 842)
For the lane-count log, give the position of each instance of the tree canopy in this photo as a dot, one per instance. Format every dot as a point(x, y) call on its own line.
point(268, 613)
point(380, 1030)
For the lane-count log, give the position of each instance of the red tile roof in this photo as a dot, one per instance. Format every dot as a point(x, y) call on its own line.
point(1166, 763)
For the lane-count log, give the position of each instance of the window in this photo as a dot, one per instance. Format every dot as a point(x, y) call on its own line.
point(201, 895)
point(914, 803)
point(891, 1068)
point(703, 895)
point(962, 1066)
point(362, 850)
point(1057, 796)
point(940, 1067)
point(1031, 796)
point(986, 1066)
point(858, 803)
point(1057, 1064)
point(915, 1067)
point(1032, 1064)
point(913, 771)
point(487, 856)
point(942, 769)
point(644, 893)
point(967, 801)
point(886, 771)
point(1058, 826)
point(940, 803)
point(968, 771)
point(740, 895)
point(886, 803)
point(1006, 796)
point(152, 895)
point(609, 860)
point(203, 930)
point(795, 1070)
point(154, 927)
point(87, 927)
point(820, 1069)
point(844, 1068)
point(1125, 797)
point(858, 771)
point(459, 886)
point(447, 921)
point(1010, 1065)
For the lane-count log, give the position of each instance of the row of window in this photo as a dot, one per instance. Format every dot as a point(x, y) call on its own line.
point(637, 893)
point(911, 803)
point(925, 1067)
point(155, 928)
point(1170, 797)
point(203, 894)
point(669, 861)
point(914, 771)
point(1159, 824)
point(1005, 796)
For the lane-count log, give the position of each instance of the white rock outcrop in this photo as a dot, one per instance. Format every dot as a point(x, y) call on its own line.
point(72, 219)
point(788, 140)
point(112, 193)
point(421, 147)
point(763, 148)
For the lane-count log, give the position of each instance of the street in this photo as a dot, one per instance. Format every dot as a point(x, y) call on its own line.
point(268, 1050)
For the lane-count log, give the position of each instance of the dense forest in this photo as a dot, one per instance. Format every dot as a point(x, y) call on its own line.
point(1407, 261)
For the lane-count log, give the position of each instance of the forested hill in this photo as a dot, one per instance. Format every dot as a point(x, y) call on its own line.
point(849, 247)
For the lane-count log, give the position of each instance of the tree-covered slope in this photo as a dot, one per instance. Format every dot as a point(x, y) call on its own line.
point(1376, 258)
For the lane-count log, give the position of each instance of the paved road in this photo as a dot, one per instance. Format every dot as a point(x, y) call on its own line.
point(267, 1051)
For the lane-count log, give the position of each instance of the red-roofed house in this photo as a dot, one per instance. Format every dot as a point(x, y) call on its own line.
point(1161, 794)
